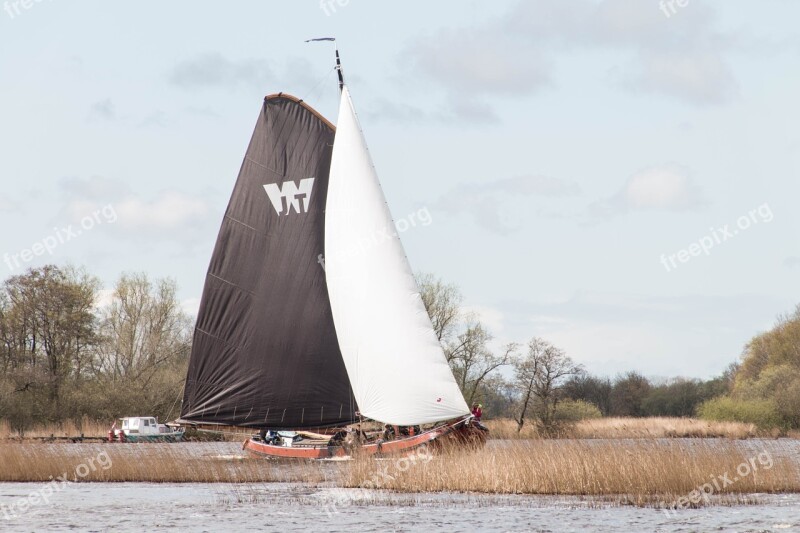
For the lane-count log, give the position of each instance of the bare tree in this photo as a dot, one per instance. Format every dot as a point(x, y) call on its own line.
point(142, 328)
point(540, 377)
point(629, 393)
point(61, 357)
point(468, 352)
point(48, 328)
point(472, 360)
point(443, 303)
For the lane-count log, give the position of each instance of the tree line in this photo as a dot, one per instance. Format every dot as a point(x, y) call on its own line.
point(765, 385)
point(538, 382)
point(64, 357)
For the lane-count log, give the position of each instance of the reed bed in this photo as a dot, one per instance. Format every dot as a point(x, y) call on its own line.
point(94, 429)
point(631, 428)
point(638, 472)
point(68, 428)
point(600, 428)
point(645, 472)
point(155, 463)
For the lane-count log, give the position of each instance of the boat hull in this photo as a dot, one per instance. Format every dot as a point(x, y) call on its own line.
point(462, 432)
point(172, 437)
point(119, 436)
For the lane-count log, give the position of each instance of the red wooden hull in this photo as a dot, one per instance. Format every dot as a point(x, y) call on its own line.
point(462, 432)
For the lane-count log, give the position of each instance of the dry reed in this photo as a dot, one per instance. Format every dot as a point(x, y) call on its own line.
point(94, 429)
point(600, 428)
point(145, 462)
point(636, 471)
point(68, 428)
point(630, 428)
point(640, 472)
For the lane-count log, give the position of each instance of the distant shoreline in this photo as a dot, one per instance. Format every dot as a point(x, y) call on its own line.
point(596, 428)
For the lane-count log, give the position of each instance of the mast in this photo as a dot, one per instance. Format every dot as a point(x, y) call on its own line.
point(339, 71)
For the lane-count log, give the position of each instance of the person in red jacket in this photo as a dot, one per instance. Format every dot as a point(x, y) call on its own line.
point(477, 411)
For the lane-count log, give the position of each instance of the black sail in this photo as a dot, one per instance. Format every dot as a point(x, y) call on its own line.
point(265, 352)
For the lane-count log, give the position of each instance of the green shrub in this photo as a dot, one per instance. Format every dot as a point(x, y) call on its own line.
point(575, 410)
point(762, 413)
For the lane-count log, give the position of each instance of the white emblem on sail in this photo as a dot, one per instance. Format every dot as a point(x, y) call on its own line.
point(291, 196)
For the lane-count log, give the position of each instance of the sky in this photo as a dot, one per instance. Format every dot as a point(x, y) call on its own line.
point(619, 177)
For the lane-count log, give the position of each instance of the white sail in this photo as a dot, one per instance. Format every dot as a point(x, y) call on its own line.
point(396, 366)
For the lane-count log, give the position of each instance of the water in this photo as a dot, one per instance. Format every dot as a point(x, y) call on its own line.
point(292, 506)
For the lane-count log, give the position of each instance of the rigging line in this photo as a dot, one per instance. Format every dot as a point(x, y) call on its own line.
point(316, 88)
point(338, 62)
point(169, 415)
point(338, 66)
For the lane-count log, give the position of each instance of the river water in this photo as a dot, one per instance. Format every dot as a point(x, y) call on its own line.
point(292, 506)
point(285, 506)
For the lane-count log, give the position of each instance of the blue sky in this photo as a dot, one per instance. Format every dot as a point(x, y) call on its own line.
point(615, 176)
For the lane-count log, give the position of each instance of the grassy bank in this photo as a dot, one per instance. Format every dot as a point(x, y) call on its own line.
point(640, 472)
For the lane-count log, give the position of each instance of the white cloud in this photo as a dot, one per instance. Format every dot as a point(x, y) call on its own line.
point(168, 214)
point(659, 188)
point(491, 317)
point(665, 188)
point(700, 78)
point(191, 306)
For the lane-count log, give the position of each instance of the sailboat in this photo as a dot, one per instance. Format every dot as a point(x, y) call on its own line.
point(311, 328)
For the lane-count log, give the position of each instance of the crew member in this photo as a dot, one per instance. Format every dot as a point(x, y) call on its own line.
point(477, 411)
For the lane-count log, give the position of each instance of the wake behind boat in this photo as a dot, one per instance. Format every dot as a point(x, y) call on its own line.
point(311, 317)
